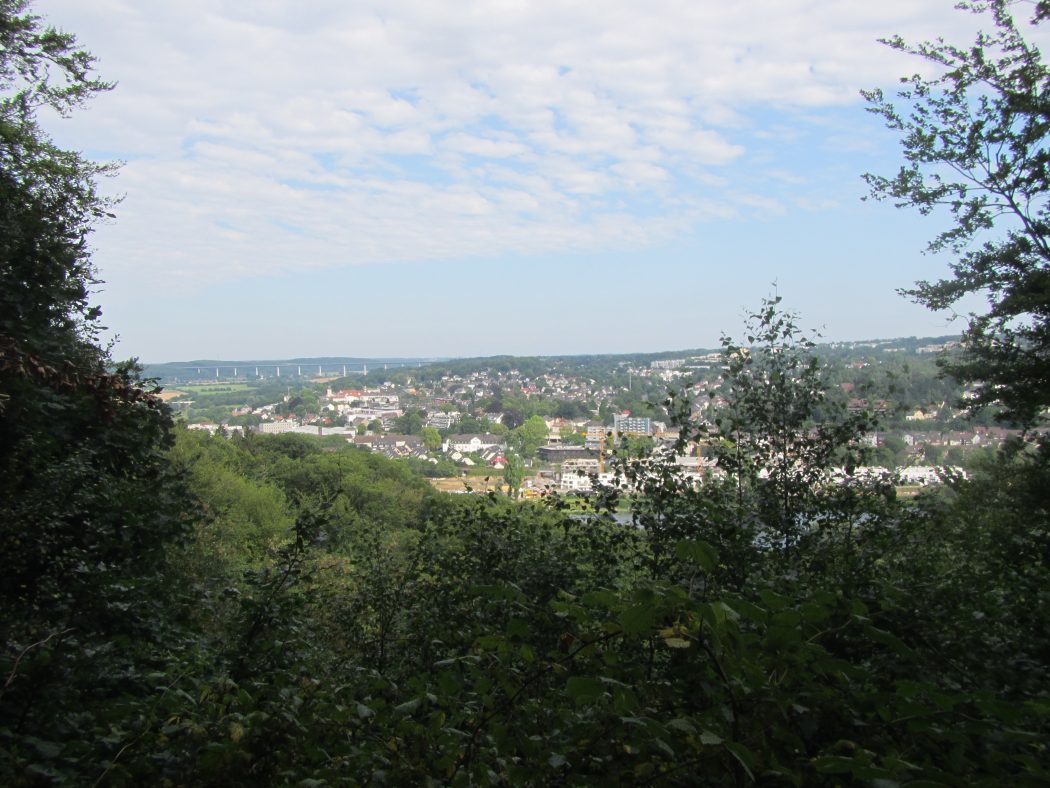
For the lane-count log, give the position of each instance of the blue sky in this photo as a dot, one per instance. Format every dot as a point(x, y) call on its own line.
point(436, 179)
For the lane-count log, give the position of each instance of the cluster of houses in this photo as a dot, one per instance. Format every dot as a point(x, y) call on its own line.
point(382, 404)
point(917, 440)
point(576, 450)
point(488, 449)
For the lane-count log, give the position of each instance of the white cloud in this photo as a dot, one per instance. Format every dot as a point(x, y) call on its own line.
point(275, 136)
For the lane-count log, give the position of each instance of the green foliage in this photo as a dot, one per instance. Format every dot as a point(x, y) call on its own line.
point(514, 474)
point(435, 468)
point(635, 446)
point(572, 438)
point(318, 615)
point(244, 519)
point(91, 511)
point(411, 423)
point(470, 425)
point(974, 140)
point(528, 437)
point(431, 438)
point(784, 433)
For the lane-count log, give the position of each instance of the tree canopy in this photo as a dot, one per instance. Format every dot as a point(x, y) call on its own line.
point(974, 140)
point(89, 503)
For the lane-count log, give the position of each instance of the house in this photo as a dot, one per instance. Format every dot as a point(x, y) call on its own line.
point(344, 396)
point(879, 407)
point(574, 481)
point(393, 446)
point(920, 415)
point(470, 443)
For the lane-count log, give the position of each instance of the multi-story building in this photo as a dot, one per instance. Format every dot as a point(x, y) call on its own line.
point(277, 427)
point(443, 421)
point(596, 436)
point(625, 424)
point(558, 453)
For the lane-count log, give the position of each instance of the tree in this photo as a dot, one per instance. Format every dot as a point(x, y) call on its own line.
point(309, 400)
point(932, 454)
point(513, 417)
point(636, 446)
point(513, 474)
point(90, 506)
point(894, 450)
point(571, 409)
point(974, 140)
point(571, 437)
point(431, 438)
point(56, 394)
point(783, 434)
point(472, 424)
point(530, 435)
point(49, 196)
point(411, 423)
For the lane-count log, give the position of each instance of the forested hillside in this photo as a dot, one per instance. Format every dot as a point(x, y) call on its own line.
point(180, 609)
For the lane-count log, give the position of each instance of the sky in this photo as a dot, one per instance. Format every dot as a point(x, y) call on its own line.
point(433, 179)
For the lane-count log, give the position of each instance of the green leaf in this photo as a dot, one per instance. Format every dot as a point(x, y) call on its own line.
point(787, 618)
point(603, 598)
point(638, 619)
point(47, 749)
point(682, 724)
point(662, 745)
point(833, 764)
point(517, 628)
point(408, 706)
point(700, 553)
point(744, 756)
point(364, 712)
point(750, 611)
point(583, 689)
point(814, 614)
point(773, 601)
point(889, 639)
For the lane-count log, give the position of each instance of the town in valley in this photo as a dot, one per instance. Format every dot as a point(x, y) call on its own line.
point(565, 419)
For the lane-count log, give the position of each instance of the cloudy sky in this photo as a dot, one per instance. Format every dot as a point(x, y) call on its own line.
point(421, 178)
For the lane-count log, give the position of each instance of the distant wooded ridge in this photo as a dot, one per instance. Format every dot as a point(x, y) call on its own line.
point(333, 364)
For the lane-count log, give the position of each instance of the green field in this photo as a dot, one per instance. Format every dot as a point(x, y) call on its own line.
point(206, 389)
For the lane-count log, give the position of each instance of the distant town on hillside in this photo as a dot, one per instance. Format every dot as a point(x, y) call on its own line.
point(566, 415)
